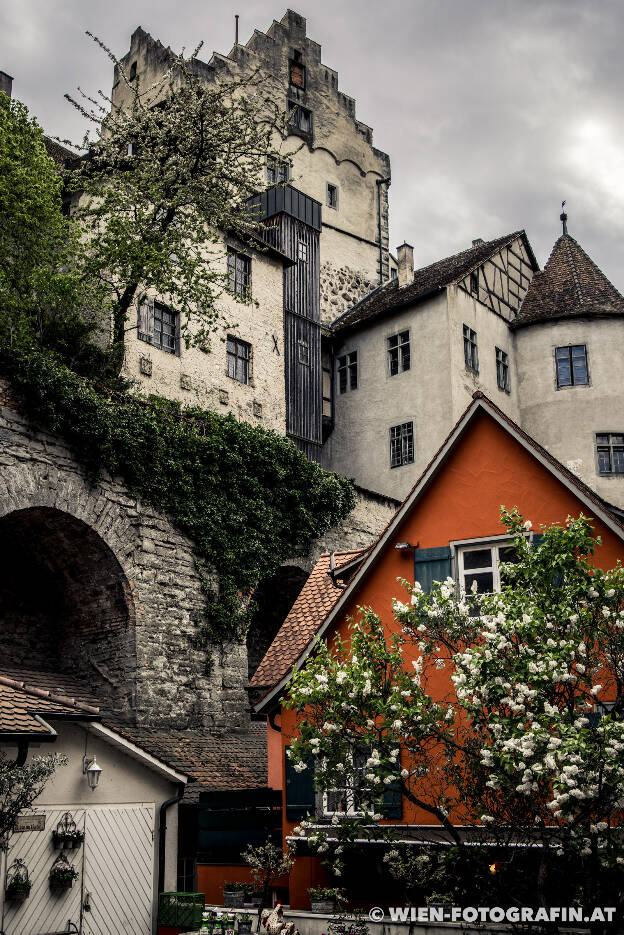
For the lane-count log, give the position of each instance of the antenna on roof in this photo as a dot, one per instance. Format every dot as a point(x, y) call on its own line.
point(236, 29)
point(563, 217)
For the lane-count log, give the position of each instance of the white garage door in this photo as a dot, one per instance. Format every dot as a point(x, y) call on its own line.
point(119, 871)
point(116, 866)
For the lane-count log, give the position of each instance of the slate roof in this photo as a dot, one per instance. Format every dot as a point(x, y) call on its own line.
point(569, 286)
point(217, 762)
point(427, 281)
point(20, 703)
point(316, 599)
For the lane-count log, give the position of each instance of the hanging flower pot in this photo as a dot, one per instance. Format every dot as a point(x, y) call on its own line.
point(62, 873)
point(18, 884)
point(67, 835)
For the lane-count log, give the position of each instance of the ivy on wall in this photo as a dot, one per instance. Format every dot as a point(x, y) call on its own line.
point(246, 496)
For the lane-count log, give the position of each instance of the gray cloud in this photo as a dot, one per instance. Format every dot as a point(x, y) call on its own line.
point(492, 111)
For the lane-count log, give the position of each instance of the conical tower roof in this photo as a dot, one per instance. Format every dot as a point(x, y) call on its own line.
point(569, 286)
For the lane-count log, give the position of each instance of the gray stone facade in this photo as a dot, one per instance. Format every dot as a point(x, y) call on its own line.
point(340, 289)
point(107, 590)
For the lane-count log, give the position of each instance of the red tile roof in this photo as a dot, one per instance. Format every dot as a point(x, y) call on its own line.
point(318, 596)
point(20, 703)
point(569, 286)
point(297, 631)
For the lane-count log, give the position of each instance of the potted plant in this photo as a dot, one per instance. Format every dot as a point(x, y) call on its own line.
point(244, 924)
point(67, 834)
point(234, 895)
point(324, 898)
point(18, 884)
point(62, 873)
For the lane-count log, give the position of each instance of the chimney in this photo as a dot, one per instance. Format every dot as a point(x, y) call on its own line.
point(6, 83)
point(405, 262)
point(478, 241)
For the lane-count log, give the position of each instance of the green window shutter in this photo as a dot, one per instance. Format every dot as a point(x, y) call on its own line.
point(431, 565)
point(299, 790)
point(392, 806)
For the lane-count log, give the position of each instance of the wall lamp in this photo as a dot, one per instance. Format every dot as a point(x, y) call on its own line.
point(403, 546)
point(92, 771)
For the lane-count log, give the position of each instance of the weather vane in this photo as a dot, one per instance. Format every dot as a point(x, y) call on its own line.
point(563, 217)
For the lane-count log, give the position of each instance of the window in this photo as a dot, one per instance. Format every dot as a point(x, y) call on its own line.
point(297, 73)
point(571, 363)
point(398, 352)
point(302, 252)
point(348, 799)
point(327, 392)
point(238, 359)
point(480, 563)
point(158, 325)
point(502, 370)
point(303, 352)
point(471, 353)
point(277, 171)
point(331, 196)
point(474, 282)
point(133, 71)
point(348, 372)
point(300, 117)
point(239, 272)
point(402, 444)
point(610, 451)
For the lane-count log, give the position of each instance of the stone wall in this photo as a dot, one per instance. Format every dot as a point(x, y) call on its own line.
point(125, 594)
point(341, 288)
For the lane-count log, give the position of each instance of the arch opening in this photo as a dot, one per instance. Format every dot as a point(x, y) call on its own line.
point(66, 605)
point(274, 596)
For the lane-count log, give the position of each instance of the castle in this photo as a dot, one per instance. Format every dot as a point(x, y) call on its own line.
point(365, 362)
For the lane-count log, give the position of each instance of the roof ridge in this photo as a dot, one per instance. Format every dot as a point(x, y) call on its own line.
point(35, 692)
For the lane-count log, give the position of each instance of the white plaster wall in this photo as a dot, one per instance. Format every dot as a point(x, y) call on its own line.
point(360, 444)
point(492, 331)
point(207, 372)
point(124, 781)
point(566, 420)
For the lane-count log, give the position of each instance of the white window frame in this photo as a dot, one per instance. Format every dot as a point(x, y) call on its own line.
point(351, 811)
point(460, 546)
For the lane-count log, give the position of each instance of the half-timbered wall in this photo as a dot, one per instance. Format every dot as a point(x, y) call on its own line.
point(502, 281)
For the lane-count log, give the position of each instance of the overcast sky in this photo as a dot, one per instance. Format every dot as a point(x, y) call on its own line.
point(492, 111)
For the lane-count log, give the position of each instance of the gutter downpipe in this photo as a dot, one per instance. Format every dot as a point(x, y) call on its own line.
point(162, 834)
point(380, 182)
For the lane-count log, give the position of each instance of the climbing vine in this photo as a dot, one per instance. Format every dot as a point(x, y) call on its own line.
point(246, 496)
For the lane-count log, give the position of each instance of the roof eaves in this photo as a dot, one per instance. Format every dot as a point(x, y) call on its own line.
point(479, 401)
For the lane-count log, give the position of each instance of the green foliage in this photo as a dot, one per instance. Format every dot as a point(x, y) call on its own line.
point(20, 786)
point(169, 173)
point(43, 296)
point(501, 711)
point(246, 497)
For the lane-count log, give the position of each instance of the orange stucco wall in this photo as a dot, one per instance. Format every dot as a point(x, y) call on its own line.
point(487, 468)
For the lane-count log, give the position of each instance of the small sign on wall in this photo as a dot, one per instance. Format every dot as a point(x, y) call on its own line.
point(30, 823)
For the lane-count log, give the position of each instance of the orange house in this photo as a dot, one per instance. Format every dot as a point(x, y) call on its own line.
point(486, 461)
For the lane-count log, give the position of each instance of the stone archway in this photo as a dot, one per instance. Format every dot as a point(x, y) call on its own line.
point(66, 604)
point(274, 596)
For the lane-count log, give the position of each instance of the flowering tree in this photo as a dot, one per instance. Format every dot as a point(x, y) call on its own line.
point(498, 710)
point(268, 863)
point(172, 166)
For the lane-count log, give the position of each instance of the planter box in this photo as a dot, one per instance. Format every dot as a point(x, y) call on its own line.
point(19, 897)
point(323, 905)
point(234, 899)
point(61, 884)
